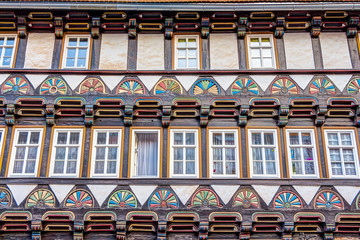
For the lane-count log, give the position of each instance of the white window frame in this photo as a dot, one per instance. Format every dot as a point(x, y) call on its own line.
point(272, 47)
point(53, 152)
point(95, 133)
point(275, 146)
point(66, 47)
point(354, 147)
point(176, 52)
point(172, 146)
point(6, 36)
point(211, 160)
point(313, 146)
point(13, 152)
point(133, 163)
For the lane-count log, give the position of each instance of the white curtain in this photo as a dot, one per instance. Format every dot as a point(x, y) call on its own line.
point(147, 154)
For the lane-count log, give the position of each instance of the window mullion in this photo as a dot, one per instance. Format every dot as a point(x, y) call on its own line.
point(25, 158)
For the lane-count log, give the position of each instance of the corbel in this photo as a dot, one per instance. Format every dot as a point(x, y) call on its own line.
point(352, 29)
point(95, 27)
point(321, 113)
point(36, 230)
point(203, 230)
point(161, 233)
point(169, 28)
point(204, 115)
point(78, 230)
point(50, 114)
point(288, 230)
point(316, 26)
point(120, 230)
point(241, 29)
point(10, 114)
point(357, 117)
point(89, 115)
point(132, 28)
point(243, 116)
point(21, 27)
point(246, 228)
point(329, 231)
point(128, 114)
point(59, 30)
point(205, 27)
point(280, 27)
point(283, 115)
point(166, 116)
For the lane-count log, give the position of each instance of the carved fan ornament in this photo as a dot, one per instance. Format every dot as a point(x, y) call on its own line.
point(284, 85)
point(244, 86)
point(205, 86)
point(168, 85)
point(53, 85)
point(328, 199)
point(79, 198)
point(322, 86)
point(163, 198)
point(354, 86)
point(122, 199)
point(92, 85)
point(246, 198)
point(5, 197)
point(41, 198)
point(205, 198)
point(16, 84)
point(131, 86)
point(287, 199)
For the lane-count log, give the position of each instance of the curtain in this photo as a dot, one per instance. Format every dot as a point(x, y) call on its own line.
point(147, 154)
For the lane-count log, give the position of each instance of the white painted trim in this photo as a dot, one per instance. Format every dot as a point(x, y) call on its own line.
point(6, 36)
point(272, 47)
point(197, 51)
point(65, 47)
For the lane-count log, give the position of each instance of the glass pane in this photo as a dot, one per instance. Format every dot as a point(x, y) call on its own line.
point(229, 139)
point(100, 153)
point(190, 167)
point(335, 155)
point(192, 42)
point(178, 154)
point(112, 153)
point(181, 62)
point(350, 169)
point(267, 62)
point(72, 153)
point(6, 61)
point(60, 153)
point(308, 154)
point(267, 52)
point(217, 139)
point(218, 168)
point(257, 155)
point(72, 42)
point(22, 137)
point(101, 138)
point(348, 155)
point(217, 154)
point(10, 41)
point(32, 152)
point(345, 138)
point(306, 138)
point(295, 153)
point(111, 167)
point(190, 153)
point(71, 167)
point(182, 53)
point(269, 154)
point(192, 53)
point(70, 62)
point(113, 137)
point(18, 166)
point(258, 168)
point(81, 62)
point(265, 42)
point(256, 63)
point(309, 167)
point(8, 52)
point(178, 138)
point(230, 154)
point(2, 40)
point(62, 136)
point(270, 168)
point(20, 152)
point(254, 42)
point(71, 53)
point(83, 42)
point(333, 139)
point(30, 167)
point(230, 168)
point(34, 137)
point(82, 53)
point(255, 53)
point(256, 138)
point(192, 62)
point(297, 167)
point(190, 138)
point(181, 42)
point(268, 139)
point(178, 167)
point(294, 139)
point(59, 167)
point(1, 133)
point(99, 166)
point(336, 169)
point(74, 138)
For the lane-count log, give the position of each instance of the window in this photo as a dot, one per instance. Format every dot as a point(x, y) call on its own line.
point(145, 153)
point(25, 153)
point(7, 50)
point(76, 52)
point(224, 153)
point(301, 152)
point(105, 159)
point(264, 155)
point(66, 152)
point(187, 52)
point(341, 153)
point(261, 52)
point(184, 153)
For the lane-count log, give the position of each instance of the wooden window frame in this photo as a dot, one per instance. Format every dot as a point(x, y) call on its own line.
point(53, 152)
point(94, 133)
point(65, 47)
point(198, 51)
point(11, 161)
point(273, 50)
point(171, 151)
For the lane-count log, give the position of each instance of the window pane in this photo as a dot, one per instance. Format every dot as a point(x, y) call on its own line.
point(297, 167)
point(113, 137)
point(18, 166)
point(218, 154)
point(218, 168)
point(181, 42)
point(8, 52)
point(345, 138)
point(60, 153)
point(178, 167)
point(192, 53)
point(22, 137)
point(308, 154)
point(348, 155)
point(265, 42)
point(256, 63)
point(258, 168)
point(335, 155)
point(59, 167)
point(306, 138)
point(112, 153)
point(230, 154)
point(82, 53)
point(71, 53)
point(217, 139)
point(269, 154)
point(192, 42)
point(270, 168)
point(100, 153)
point(229, 139)
point(72, 42)
point(255, 53)
point(336, 169)
point(267, 63)
point(182, 53)
point(310, 167)
point(101, 138)
point(178, 138)
point(34, 137)
point(2, 40)
point(32, 152)
point(350, 169)
point(333, 139)
point(10, 41)
point(190, 138)
point(256, 138)
point(190, 167)
point(190, 153)
point(230, 168)
point(257, 155)
point(71, 167)
point(294, 139)
point(192, 62)
point(81, 62)
point(295, 153)
point(83, 42)
point(72, 153)
point(70, 62)
point(7, 61)
point(74, 138)
point(62, 136)
point(178, 154)
point(268, 139)
point(111, 167)
point(99, 167)
point(181, 63)
point(20, 153)
point(30, 167)
point(266, 52)
point(254, 42)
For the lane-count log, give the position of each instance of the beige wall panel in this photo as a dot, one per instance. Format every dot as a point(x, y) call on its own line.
point(298, 51)
point(39, 50)
point(335, 50)
point(113, 52)
point(224, 51)
point(150, 52)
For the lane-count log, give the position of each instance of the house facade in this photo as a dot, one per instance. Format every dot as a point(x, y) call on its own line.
point(179, 120)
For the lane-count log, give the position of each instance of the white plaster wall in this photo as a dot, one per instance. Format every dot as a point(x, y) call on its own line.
point(335, 50)
point(224, 51)
point(298, 51)
point(113, 52)
point(39, 50)
point(150, 52)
